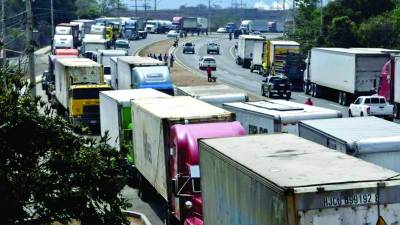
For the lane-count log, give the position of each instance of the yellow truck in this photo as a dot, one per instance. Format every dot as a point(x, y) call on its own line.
point(265, 57)
point(78, 82)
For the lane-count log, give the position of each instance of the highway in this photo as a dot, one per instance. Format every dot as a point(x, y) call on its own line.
point(230, 73)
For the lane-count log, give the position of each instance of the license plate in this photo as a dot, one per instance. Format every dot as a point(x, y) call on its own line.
point(348, 200)
point(93, 122)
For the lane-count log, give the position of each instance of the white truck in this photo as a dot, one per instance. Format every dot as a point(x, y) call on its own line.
point(357, 75)
point(276, 116)
point(246, 26)
point(368, 138)
point(213, 94)
point(104, 58)
point(87, 25)
point(202, 24)
point(142, 72)
point(115, 114)
point(63, 42)
point(246, 43)
point(372, 106)
point(93, 45)
point(287, 180)
point(98, 30)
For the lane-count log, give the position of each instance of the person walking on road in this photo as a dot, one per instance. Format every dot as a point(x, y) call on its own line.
point(209, 71)
point(160, 57)
point(165, 58)
point(171, 60)
point(309, 102)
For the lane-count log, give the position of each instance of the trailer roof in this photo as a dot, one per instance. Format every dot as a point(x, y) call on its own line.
point(252, 37)
point(383, 50)
point(78, 62)
point(125, 96)
point(285, 111)
point(180, 107)
point(353, 51)
point(354, 129)
point(138, 60)
point(279, 42)
point(112, 52)
point(289, 161)
point(210, 90)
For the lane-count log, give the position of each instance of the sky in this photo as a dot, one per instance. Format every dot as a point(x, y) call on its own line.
point(264, 4)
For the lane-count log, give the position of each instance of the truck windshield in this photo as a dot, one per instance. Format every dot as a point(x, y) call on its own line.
point(87, 93)
point(277, 80)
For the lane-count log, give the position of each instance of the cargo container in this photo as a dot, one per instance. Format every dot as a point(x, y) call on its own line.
point(104, 58)
point(286, 180)
point(116, 118)
point(62, 42)
point(245, 49)
point(90, 44)
point(213, 94)
point(276, 116)
point(74, 31)
point(143, 72)
point(87, 25)
point(357, 75)
point(166, 132)
point(369, 138)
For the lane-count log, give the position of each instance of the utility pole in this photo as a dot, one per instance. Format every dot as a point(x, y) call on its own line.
point(294, 16)
point(136, 8)
point(155, 5)
point(52, 17)
point(322, 19)
point(145, 10)
point(3, 29)
point(209, 16)
point(30, 48)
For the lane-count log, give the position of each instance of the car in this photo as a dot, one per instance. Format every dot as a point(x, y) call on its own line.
point(172, 34)
point(213, 48)
point(122, 44)
point(221, 30)
point(188, 47)
point(276, 85)
point(372, 106)
point(206, 61)
point(256, 32)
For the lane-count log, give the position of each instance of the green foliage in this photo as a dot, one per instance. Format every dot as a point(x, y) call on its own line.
point(379, 32)
point(342, 32)
point(47, 172)
point(87, 9)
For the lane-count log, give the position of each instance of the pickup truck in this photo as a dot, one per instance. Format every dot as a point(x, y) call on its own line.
point(188, 47)
point(212, 48)
point(372, 106)
point(279, 85)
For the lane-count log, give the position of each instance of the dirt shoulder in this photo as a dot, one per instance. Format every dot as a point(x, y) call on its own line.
point(180, 75)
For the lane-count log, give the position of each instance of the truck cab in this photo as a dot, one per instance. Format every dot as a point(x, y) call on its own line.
point(156, 77)
point(184, 165)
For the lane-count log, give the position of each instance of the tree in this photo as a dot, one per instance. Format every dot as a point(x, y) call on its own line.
point(49, 173)
point(87, 9)
point(342, 33)
point(379, 31)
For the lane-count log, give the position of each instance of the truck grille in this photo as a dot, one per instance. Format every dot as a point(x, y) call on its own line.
point(91, 110)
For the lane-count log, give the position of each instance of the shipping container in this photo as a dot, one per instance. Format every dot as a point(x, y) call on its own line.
point(153, 119)
point(276, 116)
point(369, 138)
point(213, 94)
point(104, 58)
point(282, 179)
point(358, 73)
point(245, 49)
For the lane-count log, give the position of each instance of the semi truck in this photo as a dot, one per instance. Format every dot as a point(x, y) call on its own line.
point(389, 85)
point(74, 31)
point(87, 25)
point(287, 180)
point(62, 42)
point(104, 58)
point(259, 25)
point(272, 27)
point(142, 72)
point(202, 24)
point(116, 119)
point(93, 45)
point(369, 138)
point(78, 82)
point(275, 116)
point(246, 44)
point(166, 150)
point(158, 26)
point(357, 75)
point(134, 29)
point(269, 53)
point(246, 26)
point(213, 94)
point(186, 24)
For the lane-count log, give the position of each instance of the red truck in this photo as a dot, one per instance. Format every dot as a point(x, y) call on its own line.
point(166, 151)
point(389, 85)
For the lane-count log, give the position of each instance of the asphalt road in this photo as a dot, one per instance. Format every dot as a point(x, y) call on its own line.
point(153, 211)
point(230, 73)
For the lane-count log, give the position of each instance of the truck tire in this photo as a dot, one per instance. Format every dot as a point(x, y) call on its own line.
point(362, 114)
point(262, 91)
point(350, 114)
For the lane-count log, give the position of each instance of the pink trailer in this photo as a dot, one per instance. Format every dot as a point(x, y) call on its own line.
point(184, 166)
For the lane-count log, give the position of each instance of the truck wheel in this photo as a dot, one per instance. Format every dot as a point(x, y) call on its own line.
point(350, 114)
point(269, 94)
point(340, 98)
point(262, 91)
point(288, 96)
point(362, 114)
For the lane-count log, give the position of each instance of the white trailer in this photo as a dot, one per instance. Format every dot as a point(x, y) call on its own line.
point(142, 72)
point(202, 24)
point(114, 71)
point(153, 119)
point(357, 72)
point(369, 138)
point(286, 180)
point(63, 42)
point(74, 71)
point(276, 115)
point(213, 94)
point(245, 49)
point(104, 58)
point(115, 113)
point(87, 25)
point(93, 44)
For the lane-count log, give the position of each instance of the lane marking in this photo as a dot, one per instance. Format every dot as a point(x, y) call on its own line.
point(337, 106)
point(231, 51)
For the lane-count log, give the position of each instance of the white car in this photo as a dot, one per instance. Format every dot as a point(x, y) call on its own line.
point(221, 30)
point(207, 61)
point(372, 106)
point(173, 34)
